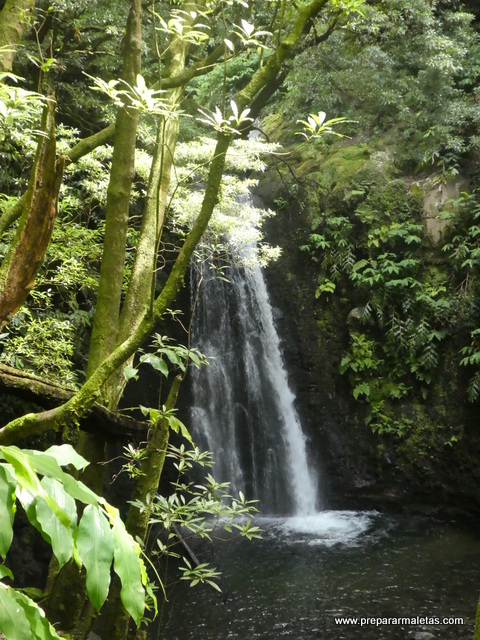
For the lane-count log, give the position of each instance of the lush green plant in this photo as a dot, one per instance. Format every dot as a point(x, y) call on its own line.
point(372, 250)
point(94, 538)
point(462, 245)
point(235, 232)
point(423, 96)
point(471, 358)
point(196, 510)
point(462, 238)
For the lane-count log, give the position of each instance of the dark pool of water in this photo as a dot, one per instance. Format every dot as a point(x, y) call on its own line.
point(306, 572)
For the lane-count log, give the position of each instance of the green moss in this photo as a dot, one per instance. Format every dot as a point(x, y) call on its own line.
point(274, 125)
point(343, 165)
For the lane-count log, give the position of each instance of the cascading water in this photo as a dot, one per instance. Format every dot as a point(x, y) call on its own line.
point(243, 409)
point(311, 568)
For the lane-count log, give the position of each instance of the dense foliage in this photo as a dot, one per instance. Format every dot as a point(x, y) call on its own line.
point(98, 228)
point(392, 251)
point(149, 160)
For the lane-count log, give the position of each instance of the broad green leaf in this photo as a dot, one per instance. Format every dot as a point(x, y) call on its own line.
point(78, 490)
point(29, 487)
point(27, 465)
point(158, 364)
point(57, 492)
point(27, 500)
point(95, 546)
point(65, 454)
point(129, 373)
point(24, 471)
point(48, 466)
point(59, 535)
point(178, 426)
point(7, 509)
point(13, 619)
point(5, 572)
point(41, 516)
point(33, 592)
point(128, 567)
point(173, 357)
point(29, 620)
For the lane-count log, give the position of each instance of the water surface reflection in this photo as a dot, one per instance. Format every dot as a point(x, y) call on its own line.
point(306, 571)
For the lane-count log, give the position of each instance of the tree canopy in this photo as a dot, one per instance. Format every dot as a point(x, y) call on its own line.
point(122, 126)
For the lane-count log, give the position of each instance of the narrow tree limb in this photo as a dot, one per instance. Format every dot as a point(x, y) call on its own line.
point(269, 72)
point(199, 68)
point(12, 214)
point(89, 144)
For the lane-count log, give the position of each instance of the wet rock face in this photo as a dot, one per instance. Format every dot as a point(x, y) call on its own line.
point(436, 200)
point(359, 469)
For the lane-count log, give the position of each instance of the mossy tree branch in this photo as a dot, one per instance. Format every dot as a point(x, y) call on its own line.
point(28, 248)
point(105, 326)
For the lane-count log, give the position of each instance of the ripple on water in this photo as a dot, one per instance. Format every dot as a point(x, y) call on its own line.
point(307, 571)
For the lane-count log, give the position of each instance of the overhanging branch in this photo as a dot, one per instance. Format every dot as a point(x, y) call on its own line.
point(48, 395)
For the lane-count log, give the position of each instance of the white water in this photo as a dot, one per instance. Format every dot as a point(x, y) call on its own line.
point(303, 483)
point(328, 528)
point(243, 408)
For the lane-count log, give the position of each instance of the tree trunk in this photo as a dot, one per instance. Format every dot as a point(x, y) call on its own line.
point(68, 606)
point(141, 289)
point(105, 325)
point(13, 19)
point(116, 620)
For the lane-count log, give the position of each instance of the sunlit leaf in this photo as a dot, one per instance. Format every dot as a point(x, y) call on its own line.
point(127, 565)
point(7, 509)
point(65, 454)
point(13, 620)
point(95, 546)
point(22, 618)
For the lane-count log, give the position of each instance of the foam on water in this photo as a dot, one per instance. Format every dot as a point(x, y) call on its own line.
point(326, 528)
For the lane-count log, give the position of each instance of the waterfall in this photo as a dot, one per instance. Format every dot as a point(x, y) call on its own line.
point(243, 409)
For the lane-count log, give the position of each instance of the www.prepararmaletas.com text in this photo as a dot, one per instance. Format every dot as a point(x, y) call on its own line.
point(415, 620)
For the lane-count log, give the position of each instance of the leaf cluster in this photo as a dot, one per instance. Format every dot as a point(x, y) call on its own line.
point(94, 538)
point(197, 511)
point(373, 251)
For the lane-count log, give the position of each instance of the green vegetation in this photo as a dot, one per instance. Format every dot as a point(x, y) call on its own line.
point(408, 295)
point(117, 169)
point(95, 538)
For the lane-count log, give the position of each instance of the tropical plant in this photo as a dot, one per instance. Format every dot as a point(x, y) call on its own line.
point(93, 537)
